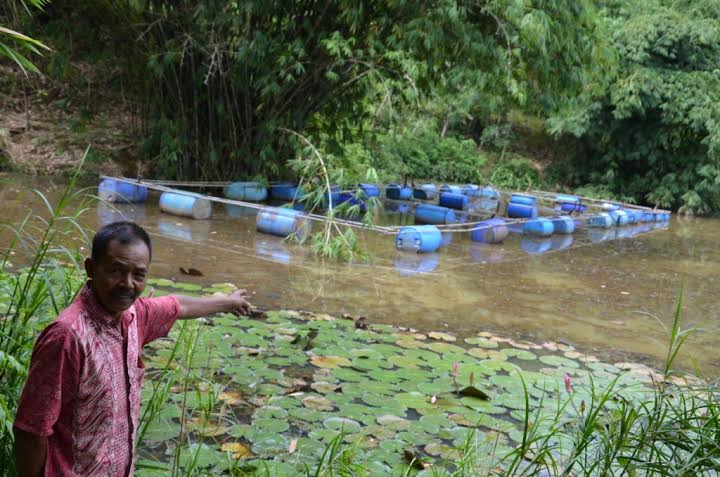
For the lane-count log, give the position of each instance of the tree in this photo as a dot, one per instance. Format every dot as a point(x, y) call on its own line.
point(653, 135)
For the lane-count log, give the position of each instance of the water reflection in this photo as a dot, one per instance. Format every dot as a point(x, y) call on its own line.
point(273, 248)
point(238, 211)
point(183, 229)
point(560, 242)
point(534, 246)
point(486, 252)
point(108, 213)
point(597, 235)
point(414, 263)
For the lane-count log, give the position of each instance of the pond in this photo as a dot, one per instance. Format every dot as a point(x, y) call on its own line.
point(605, 294)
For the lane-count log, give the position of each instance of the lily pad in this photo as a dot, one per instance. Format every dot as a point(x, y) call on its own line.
point(342, 424)
point(559, 361)
point(237, 450)
point(319, 403)
point(329, 362)
point(436, 335)
point(442, 348)
point(396, 423)
point(481, 342)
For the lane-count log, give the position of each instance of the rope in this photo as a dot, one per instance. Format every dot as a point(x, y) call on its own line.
point(388, 230)
point(251, 205)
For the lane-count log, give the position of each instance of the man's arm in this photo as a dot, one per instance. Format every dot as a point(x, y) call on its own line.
point(193, 307)
point(29, 453)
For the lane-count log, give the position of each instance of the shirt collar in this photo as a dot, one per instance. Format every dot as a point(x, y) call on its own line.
point(97, 312)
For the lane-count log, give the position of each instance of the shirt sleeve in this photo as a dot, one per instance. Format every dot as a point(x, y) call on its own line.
point(156, 316)
point(52, 380)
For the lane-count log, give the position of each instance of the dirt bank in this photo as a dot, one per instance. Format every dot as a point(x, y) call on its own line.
point(45, 127)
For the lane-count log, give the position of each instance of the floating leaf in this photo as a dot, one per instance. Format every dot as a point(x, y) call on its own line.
point(395, 423)
point(436, 335)
point(481, 342)
point(559, 361)
point(342, 424)
point(329, 362)
point(319, 403)
point(442, 348)
point(238, 450)
point(191, 271)
point(472, 391)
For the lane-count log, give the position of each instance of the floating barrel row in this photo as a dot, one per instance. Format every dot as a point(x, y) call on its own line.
point(111, 190)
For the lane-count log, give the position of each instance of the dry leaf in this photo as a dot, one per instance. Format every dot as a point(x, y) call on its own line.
point(239, 450)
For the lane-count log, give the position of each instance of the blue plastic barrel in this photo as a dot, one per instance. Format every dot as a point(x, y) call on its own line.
point(534, 246)
point(490, 231)
point(485, 204)
point(434, 214)
point(472, 190)
point(371, 190)
point(194, 206)
point(521, 211)
point(608, 206)
point(408, 264)
point(111, 190)
point(563, 225)
point(418, 238)
point(348, 197)
point(246, 191)
point(398, 192)
point(619, 217)
point(454, 201)
point(334, 195)
point(631, 215)
point(602, 220)
point(648, 217)
point(285, 191)
point(666, 216)
point(539, 227)
point(523, 199)
point(567, 199)
point(282, 222)
point(453, 189)
point(425, 192)
point(568, 207)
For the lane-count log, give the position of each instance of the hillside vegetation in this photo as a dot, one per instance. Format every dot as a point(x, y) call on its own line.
point(605, 98)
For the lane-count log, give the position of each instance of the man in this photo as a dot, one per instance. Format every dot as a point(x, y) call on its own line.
point(78, 413)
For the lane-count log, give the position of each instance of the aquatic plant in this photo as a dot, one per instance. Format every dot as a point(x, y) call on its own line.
point(33, 295)
point(385, 401)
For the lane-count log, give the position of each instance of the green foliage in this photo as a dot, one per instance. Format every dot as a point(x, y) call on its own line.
point(31, 297)
point(516, 174)
point(654, 133)
point(13, 42)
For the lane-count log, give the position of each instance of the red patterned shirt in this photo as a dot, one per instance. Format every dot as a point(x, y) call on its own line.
point(83, 388)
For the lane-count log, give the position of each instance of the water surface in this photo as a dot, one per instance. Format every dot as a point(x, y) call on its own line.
point(605, 292)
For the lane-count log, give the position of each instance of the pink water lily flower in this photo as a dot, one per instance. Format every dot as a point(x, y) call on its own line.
point(568, 384)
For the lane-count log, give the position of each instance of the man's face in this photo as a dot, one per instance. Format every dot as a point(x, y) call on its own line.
point(119, 277)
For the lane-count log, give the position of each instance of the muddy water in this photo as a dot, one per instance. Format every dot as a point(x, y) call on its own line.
point(610, 293)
